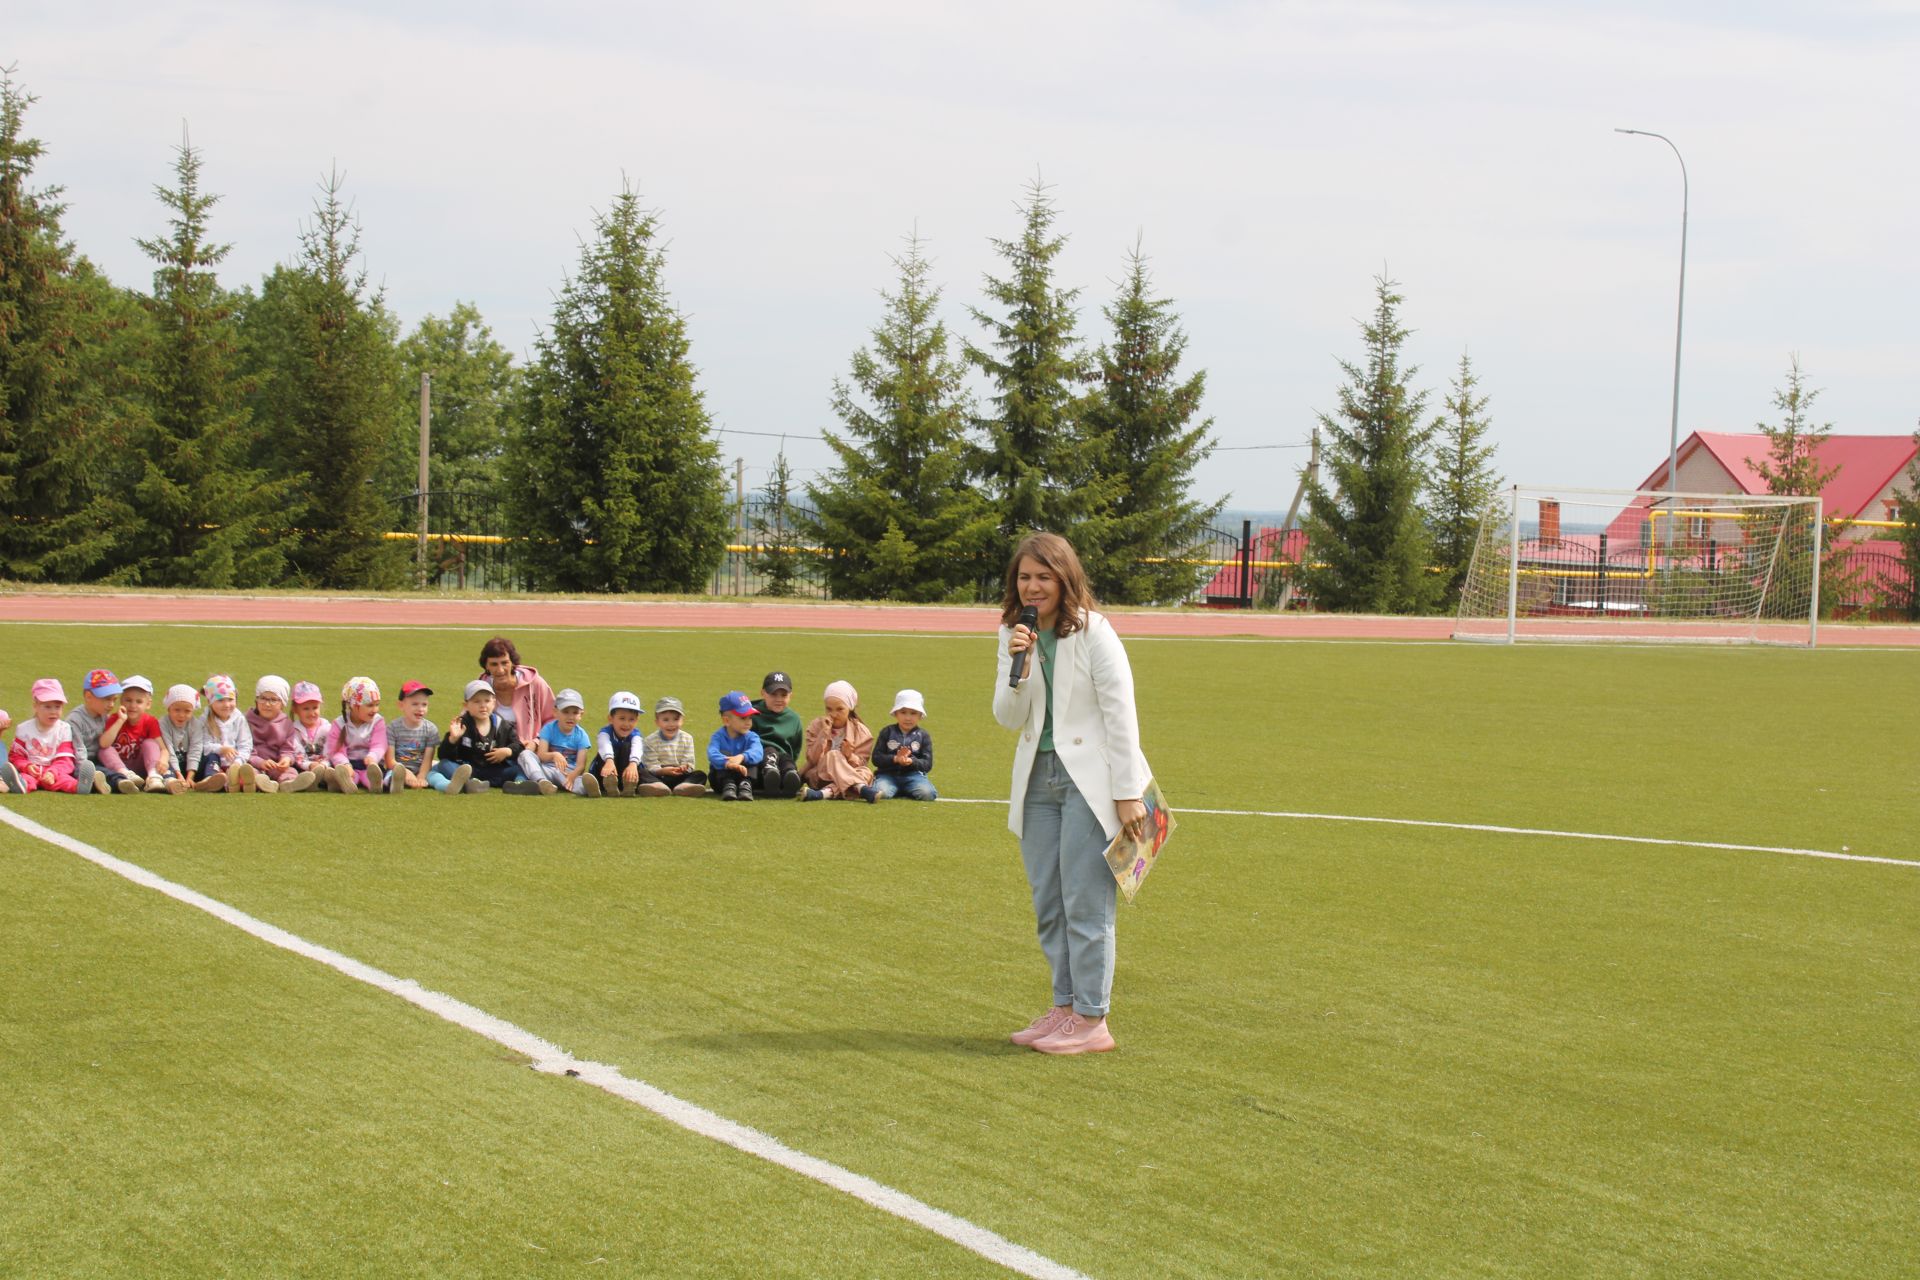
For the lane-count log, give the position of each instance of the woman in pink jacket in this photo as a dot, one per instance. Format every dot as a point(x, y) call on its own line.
point(517, 687)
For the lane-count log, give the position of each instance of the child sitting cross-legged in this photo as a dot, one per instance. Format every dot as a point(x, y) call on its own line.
point(619, 748)
point(671, 757)
point(838, 744)
point(557, 760)
point(902, 753)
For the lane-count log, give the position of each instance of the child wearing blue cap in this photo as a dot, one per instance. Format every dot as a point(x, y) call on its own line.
point(735, 750)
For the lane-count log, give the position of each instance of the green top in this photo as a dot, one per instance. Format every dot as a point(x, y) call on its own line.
point(782, 729)
point(1048, 643)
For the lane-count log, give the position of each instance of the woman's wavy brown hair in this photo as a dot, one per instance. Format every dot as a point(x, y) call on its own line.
point(1055, 552)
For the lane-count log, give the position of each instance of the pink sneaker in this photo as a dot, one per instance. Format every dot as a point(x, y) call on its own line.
point(1044, 1025)
point(1077, 1034)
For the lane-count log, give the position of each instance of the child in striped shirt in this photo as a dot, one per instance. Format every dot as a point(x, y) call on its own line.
point(671, 756)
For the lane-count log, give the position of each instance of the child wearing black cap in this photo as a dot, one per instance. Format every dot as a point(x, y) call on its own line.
point(782, 732)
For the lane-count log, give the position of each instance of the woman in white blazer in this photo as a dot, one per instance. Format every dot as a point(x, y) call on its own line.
point(1078, 776)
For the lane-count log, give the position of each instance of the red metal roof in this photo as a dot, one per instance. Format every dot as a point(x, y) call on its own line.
point(1866, 464)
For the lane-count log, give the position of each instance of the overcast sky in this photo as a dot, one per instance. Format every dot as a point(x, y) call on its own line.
point(1273, 158)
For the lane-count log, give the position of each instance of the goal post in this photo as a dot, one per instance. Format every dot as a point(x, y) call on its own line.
point(1571, 564)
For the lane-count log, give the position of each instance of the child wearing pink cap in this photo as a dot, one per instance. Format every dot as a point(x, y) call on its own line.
point(42, 751)
point(307, 735)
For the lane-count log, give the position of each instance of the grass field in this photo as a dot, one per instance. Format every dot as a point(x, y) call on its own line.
point(1345, 1050)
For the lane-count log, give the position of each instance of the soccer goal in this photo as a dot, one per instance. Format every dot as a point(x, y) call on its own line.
point(1611, 565)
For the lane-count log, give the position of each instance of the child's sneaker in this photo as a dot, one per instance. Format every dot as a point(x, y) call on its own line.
point(592, 785)
point(212, 782)
point(746, 791)
point(266, 786)
point(243, 778)
point(547, 786)
point(127, 786)
point(343, 780)
point(302, 781)
point(812, 793)
point(870, 794)
point(522, 787)
point(730, 791)
point(176, 786)
point(155, 784)
point(654, 789)
point(691, 789)
point(474, 787)
point(790, 783)
point(457, 783)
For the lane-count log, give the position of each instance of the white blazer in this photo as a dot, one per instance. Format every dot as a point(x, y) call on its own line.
point(1096, 733)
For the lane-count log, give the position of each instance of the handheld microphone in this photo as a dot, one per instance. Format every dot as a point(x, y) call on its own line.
point(1030, 619)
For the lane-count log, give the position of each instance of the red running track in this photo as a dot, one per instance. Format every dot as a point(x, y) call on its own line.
point(700, 615)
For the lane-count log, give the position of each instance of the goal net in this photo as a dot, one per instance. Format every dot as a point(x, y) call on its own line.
point(1590, 564)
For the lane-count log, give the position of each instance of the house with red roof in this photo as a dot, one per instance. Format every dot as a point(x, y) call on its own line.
point(1870, 470)
point(1864, 491)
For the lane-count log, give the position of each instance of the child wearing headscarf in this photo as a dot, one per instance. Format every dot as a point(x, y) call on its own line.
point(279, 765)
point(358, 742)
point(229, 741)
point(838, 745)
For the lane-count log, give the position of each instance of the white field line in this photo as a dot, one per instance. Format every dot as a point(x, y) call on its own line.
point(553, 1060)
point(1521, 831)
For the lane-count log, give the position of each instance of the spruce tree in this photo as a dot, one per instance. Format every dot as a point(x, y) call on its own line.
point(1141, 418)
point(776, 540)
point(1036, 460)
point(1463, 479)
point(320, 347)
point(70, 362)
point(207, 518)
point(619, 481)
point(1369, 547)
point(898, 514)
point(1792, 466)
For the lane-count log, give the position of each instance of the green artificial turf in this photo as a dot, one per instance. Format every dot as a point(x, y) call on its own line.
point(1346, 1050)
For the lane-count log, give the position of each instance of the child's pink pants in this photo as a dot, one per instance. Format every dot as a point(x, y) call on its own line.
point(63, 780)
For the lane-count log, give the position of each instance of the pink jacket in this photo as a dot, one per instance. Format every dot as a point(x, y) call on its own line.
point(272, 739)
point(347, 742)
point(531, 704)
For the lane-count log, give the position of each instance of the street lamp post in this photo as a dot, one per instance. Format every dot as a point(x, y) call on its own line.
point(1673, 432)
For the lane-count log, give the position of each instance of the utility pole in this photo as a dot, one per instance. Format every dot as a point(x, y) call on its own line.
point(740, 521)
point(426, 418)
point(1307, 477)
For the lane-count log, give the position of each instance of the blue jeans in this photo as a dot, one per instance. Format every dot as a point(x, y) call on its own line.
point(1064, 848)
point(916, 785)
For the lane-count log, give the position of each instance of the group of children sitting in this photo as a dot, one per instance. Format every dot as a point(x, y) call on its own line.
point(112, 744)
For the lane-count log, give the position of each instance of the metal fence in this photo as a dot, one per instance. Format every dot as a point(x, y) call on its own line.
point(770, 554)
point(468, 543)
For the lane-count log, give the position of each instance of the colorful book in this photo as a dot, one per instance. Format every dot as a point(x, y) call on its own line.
point(1130, 860)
